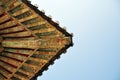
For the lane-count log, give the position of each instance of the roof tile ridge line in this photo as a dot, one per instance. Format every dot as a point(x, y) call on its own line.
point(42, 14)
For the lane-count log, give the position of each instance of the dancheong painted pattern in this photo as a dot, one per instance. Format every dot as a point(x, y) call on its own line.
point(29, 40)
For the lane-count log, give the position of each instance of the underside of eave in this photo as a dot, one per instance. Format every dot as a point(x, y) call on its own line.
point(28, 3)
point(54, 24)
point(51, 62)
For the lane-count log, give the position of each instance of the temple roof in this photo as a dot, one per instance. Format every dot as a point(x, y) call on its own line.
point(30, 41)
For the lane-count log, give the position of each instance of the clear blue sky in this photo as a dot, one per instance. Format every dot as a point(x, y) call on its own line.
point(96, 28)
